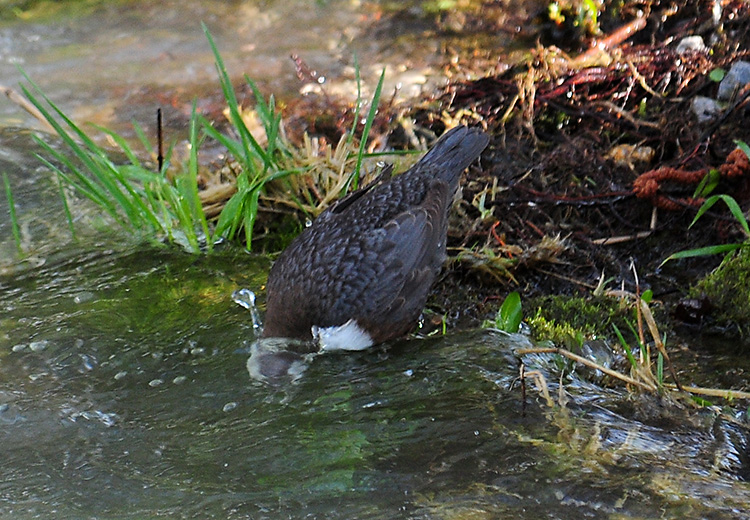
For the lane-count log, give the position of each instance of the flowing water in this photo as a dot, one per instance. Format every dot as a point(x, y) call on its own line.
point(124, 391)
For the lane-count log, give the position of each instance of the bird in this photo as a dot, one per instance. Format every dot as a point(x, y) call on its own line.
point(361, 273)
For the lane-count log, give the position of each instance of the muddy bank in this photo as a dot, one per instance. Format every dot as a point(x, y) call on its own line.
point(597, 150)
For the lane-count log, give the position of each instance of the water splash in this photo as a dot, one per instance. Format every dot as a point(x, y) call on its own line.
point(246, 298)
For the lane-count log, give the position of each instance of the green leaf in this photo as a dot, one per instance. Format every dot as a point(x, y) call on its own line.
point(510, 314)
point(742, 145)
point(353, 180)
point(717, 74)
point(707, 184)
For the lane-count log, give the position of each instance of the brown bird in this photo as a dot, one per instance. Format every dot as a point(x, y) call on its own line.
point(361, 273)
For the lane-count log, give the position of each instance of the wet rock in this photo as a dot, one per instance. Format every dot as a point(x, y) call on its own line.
point(705, 108)
point(692, 310)
point(736, 79)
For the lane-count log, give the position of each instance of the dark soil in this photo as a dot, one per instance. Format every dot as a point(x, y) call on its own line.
point(558, 119)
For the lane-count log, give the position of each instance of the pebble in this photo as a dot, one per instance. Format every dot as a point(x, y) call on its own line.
point(705, 108)
point(38, 346)
point(737, 78)
point(691, 44)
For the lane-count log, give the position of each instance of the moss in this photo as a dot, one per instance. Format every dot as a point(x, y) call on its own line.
point(728, 289)
point(568, 321)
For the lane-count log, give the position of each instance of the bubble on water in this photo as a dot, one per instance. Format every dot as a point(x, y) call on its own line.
point(83, 297)
point(38, 346)
point(88, 362)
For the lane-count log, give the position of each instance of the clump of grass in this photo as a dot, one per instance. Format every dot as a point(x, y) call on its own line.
point(704, 188)
point(259, 164)
point(168, 203)
point(138, 199)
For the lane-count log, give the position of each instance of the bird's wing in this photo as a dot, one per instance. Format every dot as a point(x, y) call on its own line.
point(406, 255)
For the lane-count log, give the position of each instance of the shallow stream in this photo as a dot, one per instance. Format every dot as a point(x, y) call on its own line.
point(124, 391)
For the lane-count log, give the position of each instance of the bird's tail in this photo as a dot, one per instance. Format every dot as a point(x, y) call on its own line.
point(453, 152)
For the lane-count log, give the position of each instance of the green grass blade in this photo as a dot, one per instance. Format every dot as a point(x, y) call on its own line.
point(703, 251)
point(353, 180)
point(190, 183)
point(250, 145)
point(81, 183)
point(228, 222)
point(250, 213)
point(734, 208)
point(707, 184)
point(736, 211)
point(625, 347)
point(358, 104)
point(122, 143)
point(66, 206)
point(15, 228)
point(143, 138)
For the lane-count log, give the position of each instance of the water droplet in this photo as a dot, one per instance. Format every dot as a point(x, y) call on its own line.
point(197, 351)
point(88, 362)
point(246, 298)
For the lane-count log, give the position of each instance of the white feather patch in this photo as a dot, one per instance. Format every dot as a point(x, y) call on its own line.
point(348, 336)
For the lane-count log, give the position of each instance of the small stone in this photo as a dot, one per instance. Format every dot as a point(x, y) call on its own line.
point(705, 108)
point(155, 382)
point(737, 77)
point(229, 407)
point(19, 347)
point(38, 346)
point(120, 375)
point(691, 44)
point(179, 380)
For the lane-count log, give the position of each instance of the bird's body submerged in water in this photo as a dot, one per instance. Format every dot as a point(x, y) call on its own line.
point(361, 273)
